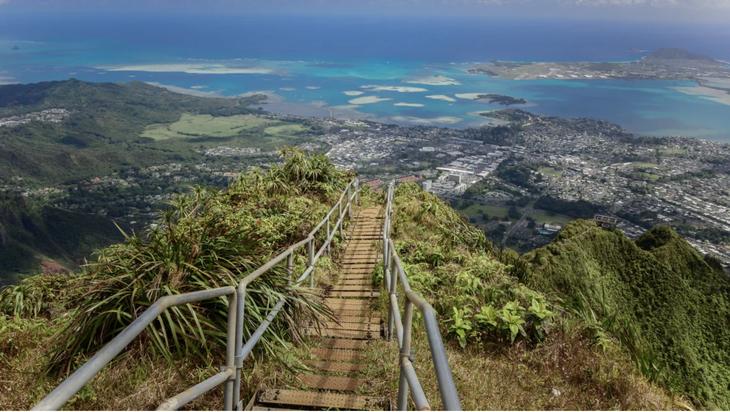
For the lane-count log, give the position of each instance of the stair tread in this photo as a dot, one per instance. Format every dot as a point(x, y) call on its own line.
point(319, 399)
point(337, 355)
point(337, 367)
point(331, 383)
point(335, 343)
point(340, 333)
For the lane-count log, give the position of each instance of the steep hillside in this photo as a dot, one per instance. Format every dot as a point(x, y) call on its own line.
point(676, 299)
point(31, 233)
point(208, 238)
point(510, 346)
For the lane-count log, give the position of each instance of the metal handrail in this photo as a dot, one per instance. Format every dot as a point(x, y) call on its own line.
point(392, 272)
point(236, 352)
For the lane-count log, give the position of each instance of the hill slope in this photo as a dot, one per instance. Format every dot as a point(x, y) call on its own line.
point(679, 301)
point(670, 53)
point(102, 134)
point(31, 233)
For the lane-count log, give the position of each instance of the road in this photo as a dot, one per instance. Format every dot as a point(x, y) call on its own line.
point(519, 223)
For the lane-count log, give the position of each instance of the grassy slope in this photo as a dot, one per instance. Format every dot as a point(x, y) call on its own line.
point(451, 265)
point(103, 135)
point(210, 238)
point(660, 284)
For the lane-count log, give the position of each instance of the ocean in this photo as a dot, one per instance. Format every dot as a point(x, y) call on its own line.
point(395, 70)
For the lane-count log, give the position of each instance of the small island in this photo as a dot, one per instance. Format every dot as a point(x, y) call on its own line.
point(501, 99)
point(16, 47)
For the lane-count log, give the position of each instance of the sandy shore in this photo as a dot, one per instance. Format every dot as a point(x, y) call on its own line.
point(399, 89)
point(409, 104)
point(441, 97)
point(183, 90)
point(189, 68)
point(287, 89)
point(367, 100)
point(433, 81)
point(432, 120)
point(720, 96)
point(353, 93)
point(488, 120)
point(469, 96)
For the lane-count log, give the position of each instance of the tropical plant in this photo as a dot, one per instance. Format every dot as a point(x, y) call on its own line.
point(208, 239)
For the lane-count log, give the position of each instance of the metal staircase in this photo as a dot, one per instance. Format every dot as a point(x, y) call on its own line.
point(337, 378)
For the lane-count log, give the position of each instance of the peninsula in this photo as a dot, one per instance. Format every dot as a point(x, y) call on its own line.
point(663, 64)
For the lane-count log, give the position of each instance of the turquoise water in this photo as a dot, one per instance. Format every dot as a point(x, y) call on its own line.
point(337, 57)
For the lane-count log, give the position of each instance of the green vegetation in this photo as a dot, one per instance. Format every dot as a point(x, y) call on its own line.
point(673, 151)
point(501, 99)
point(209, 238)
point(116, 125)
point(481, 210)
point(664, 293)
point(542, 218)
point(549, 171)
point(512, 115)
point(579, 209)
point(31, 234)
point(510, 346)
point(645, 165)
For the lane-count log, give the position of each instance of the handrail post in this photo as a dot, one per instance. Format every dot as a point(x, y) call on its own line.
point(357, 190)
point(240, 301)
point(310, 252)
point(405, 353)
point(329, 250)
point(340, 219)
point(349, 202)
point(230, 352)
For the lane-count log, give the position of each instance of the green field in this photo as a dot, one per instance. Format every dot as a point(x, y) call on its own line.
point(194, 125)
point(475, 210)
point(233, 131)
point(549, 171)
point(541, 218)
point(673, 151)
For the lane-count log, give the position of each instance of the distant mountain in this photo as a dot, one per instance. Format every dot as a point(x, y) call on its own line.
point(668, 53)
point(677, 299)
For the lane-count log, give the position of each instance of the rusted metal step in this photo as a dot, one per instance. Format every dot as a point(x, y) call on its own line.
point(332, 302)
point(356, 282)
point(354, 326)
point(335, 367)
point(341, 333)
point(353, 288)
point(337, 355)
point(266, 408)
point(361, 294)
point(320, 399)
point(334, 343)
point(331, 383)
point(352, 312)
point(359, 319)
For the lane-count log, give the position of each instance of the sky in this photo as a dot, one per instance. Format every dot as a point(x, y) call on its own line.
point(711, 11)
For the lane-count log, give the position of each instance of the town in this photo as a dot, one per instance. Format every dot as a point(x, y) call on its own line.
point(521, 183)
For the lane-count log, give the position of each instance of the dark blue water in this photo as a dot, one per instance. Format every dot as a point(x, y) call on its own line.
point(298, 37)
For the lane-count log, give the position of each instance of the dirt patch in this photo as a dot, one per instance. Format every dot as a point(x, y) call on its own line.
point(51, 268)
